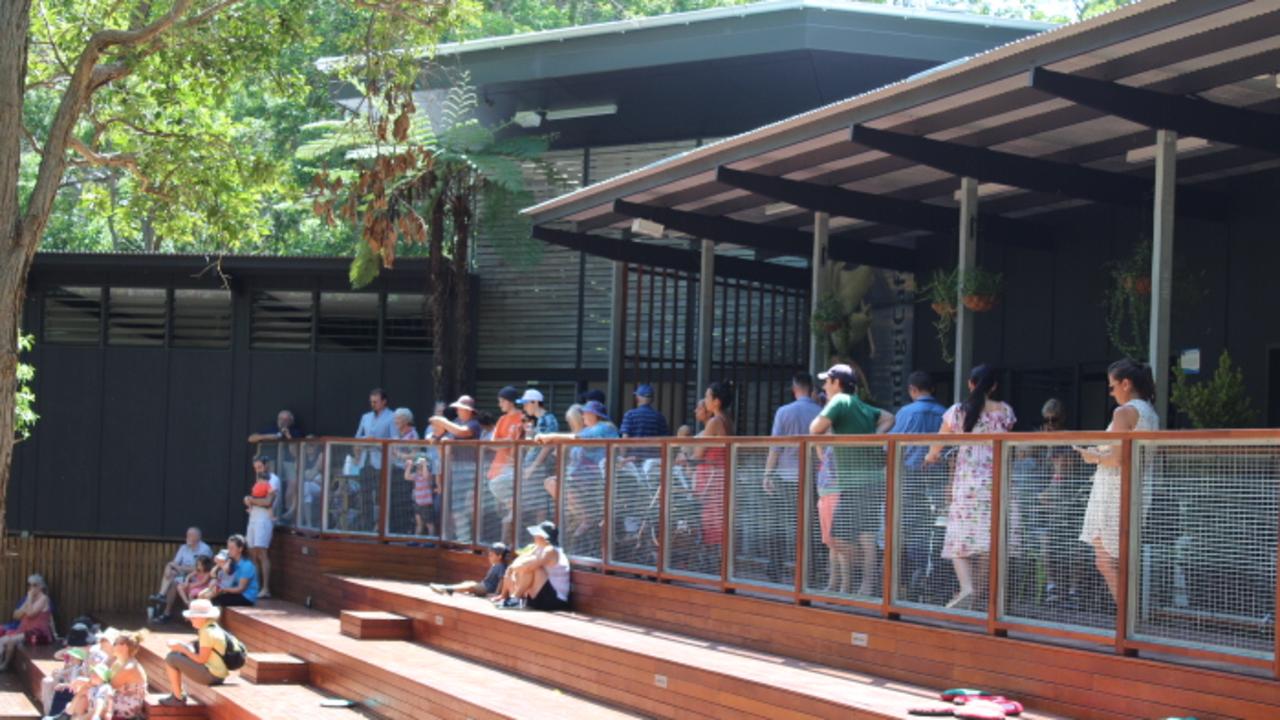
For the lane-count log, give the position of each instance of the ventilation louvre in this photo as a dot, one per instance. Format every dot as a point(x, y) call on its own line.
point(73, 315)
point(201, 319)
point(281, 320)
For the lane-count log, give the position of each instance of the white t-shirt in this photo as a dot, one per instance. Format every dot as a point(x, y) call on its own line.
point(257, 512)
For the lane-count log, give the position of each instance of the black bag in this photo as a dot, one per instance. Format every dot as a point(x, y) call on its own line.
point(233, 658)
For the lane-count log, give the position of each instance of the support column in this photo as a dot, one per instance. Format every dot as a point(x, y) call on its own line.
point(1162, 266)
point(706, 311)
point(966, 260)
point(617, 335)
point(818, 265)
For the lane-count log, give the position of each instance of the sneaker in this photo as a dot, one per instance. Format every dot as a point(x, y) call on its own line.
point(264, 595)
point(161, 619)
point(173, 700)
point(512, 604)
point(437, 589)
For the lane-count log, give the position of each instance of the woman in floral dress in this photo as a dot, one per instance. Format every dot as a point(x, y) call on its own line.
point(968, 538)
point(128, 679)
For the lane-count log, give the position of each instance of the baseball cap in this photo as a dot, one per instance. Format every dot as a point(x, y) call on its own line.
point(840, 371)
point(464, 402)
point(530, 395)
point(509, 393)
point(644, 391)
point(546, 530)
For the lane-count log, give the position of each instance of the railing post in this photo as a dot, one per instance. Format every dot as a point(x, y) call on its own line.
point(664, 467)
point(445, 508)
point(324, 491)
point(382, 503)
point(517, 473)
point(555, 502)
point(995, 561)
point(890, 528)
point(476, 498)
point(606, 529)
point(802, 514)
point(726, 526)
point(1124, 562)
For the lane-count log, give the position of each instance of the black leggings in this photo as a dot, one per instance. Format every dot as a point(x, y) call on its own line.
point(232, 600)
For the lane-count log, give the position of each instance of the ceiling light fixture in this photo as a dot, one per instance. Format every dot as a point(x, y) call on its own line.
point(649, 228)
point(778, 208)
point(585, 111)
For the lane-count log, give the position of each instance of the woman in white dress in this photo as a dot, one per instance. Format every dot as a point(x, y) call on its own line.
point(1133, 388)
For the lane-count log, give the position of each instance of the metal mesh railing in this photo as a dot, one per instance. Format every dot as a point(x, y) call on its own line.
point(694, 533)
point(634, 505)
point(459, 481)
point(413, 491)
point(844, 530)
point(498, 481)
point(1201, 554)
point(763, 514)
point(353, 475)
point(581, 496)
point(1050, 576)
point(1205, 563)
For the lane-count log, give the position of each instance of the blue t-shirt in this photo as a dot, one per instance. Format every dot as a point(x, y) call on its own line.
point(593, 456)
point(245, 569)
point(922, 416)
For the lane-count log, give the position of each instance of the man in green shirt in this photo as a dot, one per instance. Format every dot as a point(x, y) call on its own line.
point(850, 481)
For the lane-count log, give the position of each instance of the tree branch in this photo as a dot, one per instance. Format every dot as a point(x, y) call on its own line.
point(85, 79)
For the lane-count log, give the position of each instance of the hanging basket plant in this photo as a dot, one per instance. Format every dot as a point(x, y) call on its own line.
point(941, 292)
point(1128, 301)
point(981, 289)
point(828, 316)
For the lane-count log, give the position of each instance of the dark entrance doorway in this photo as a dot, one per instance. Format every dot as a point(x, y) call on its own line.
point(1273, 387)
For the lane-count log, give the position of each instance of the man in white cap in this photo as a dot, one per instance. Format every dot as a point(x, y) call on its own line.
point(462, 462)
point(204, 665)
point(849, 510)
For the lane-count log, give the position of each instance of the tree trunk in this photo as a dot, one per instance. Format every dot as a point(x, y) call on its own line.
point(16, 248)
point(461, 287)
point(438, 286)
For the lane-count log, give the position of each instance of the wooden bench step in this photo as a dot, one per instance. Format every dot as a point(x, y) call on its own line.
point(402, 680)
point(372, 625)
point(31, 665)
point(275, 669)
point(236, 698)
point(14, 703)
point(190, 710)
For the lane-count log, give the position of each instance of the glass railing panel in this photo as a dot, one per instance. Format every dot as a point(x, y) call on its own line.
point(460, 464)
point(694, 534)
point(635, 505)
point(354, 476)
point(763, 533)
point(413, 498)
point(845, 520)
point(581, 493)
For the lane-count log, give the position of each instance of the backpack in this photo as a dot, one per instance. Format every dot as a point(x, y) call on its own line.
point(234, 656)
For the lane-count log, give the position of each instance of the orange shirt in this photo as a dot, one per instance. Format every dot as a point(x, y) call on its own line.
point(508, 427)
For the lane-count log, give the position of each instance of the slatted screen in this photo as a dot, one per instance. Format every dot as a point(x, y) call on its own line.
point(73, 315)
point(281, 320)
point(136, 316)
point(201, 319)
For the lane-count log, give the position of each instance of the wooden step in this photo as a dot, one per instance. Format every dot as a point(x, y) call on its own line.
point(660, 674)
point(275, 669)
point(236, 698)
point(14, 703)
point(374, 625)
point(402, 680)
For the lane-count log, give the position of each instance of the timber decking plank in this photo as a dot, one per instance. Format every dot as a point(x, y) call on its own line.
point(729, 680)
point(14, 703)
point(403, 679)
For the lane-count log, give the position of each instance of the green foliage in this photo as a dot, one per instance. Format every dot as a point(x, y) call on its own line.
point(1222, 402)
point(1128, 301)
point(981, 283)
point(26, 399)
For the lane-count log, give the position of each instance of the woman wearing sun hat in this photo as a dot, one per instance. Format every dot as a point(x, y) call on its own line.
point(35, 621)
point(584, 484)
point(202, 665)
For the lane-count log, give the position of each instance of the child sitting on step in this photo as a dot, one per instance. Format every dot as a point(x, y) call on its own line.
point(498, 556)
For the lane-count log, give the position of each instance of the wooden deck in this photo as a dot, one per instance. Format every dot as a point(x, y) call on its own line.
point(1067, 681)
point(399, 679)
point(14, 703)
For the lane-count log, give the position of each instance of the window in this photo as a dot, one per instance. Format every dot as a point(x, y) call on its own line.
point(73, 315)
point(201, 319)
point(348, 322)
point(406, 327)
point(136, 317)
point(280, 320)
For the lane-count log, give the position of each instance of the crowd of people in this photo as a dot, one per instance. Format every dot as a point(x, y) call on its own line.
point(952, 481)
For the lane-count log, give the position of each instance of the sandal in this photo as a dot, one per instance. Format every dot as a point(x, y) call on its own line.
point(173, 700)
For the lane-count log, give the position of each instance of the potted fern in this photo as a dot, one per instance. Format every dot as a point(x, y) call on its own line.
point(942, 291)
point(981, 289)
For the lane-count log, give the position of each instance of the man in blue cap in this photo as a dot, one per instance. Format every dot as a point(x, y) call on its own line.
point(643, 420)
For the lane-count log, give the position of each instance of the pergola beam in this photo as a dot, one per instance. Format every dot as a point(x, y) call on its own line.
point(780, 241)
point(672, 258)
point(1031, 173)
point(1186, 115)
point(882, 209)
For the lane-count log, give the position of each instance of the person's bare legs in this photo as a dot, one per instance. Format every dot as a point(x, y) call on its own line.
point(539, 577)
point(964, 575)
point(867, 554)
point(1108, 567)
point(167, 578)
point(171, 597)
point(525, 577)
point(262, 558)
point(175, 681)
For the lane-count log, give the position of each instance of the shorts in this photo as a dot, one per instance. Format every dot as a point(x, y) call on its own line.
point(192, 670)
point(849, 519)
point(259, 531)
point(425, 513)
point(502, 486)
point(547, 599)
